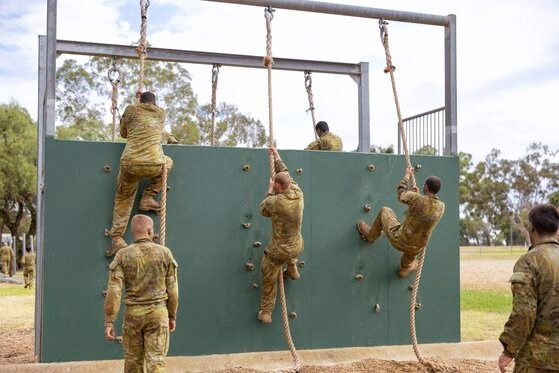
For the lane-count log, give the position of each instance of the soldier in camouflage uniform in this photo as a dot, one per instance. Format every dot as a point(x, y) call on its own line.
point(143, 126)
point(6, 256)
point(409, 237)
point(28, 264)
point(284, 205)
point(148, 272)
point(531, 334)
point(326, 139)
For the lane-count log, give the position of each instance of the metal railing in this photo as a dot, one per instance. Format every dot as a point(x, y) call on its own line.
point(425, 133)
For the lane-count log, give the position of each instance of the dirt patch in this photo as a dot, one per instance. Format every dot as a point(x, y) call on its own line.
point(486, 274)
point(17, 346)
point(387, 366)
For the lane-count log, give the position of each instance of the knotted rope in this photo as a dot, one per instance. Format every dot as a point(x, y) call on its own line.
point(308, 87)
point(114, 78)
point(163, 211)
point(431, 365)
point(213, 104)
point(268, 63)
point(142, 46)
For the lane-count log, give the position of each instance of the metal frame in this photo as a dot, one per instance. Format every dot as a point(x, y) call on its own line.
point(49, 47)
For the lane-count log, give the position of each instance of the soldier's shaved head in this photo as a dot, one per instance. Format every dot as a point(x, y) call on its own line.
point(147, 98)
point(283, 179)
point(142, 226)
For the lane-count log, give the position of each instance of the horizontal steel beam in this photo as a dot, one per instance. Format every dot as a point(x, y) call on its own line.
point(208, 58)
point(346, 10)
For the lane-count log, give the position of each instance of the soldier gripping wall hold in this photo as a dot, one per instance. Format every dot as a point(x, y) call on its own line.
point(148, 272)
point(409, 237)
point(6, 256)
point(28, 264)
point(531, 334)
point(143, 126)
point(326, 139)
point(284, 205)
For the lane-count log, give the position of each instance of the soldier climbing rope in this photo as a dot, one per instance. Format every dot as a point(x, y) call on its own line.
point(390, 68)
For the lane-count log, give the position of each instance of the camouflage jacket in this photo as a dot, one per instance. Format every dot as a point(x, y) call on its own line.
point(28, 260)
point(142, 125)
point(148, 272)
point(531, 334)
point(424, 212)
point(328, 141)
point(286, 211)
point(6, 253)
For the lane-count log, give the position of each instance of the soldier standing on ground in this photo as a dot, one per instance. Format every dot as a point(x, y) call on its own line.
point(284, 205)
point(28, 264)
point(143, 126)
point(531, 334)
point(409, 237)
point(6, 256)
point(148, 273)
point(326, 139)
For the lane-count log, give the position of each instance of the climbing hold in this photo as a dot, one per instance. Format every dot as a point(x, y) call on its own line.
point(104, 293)
point(254, 285)
point(301, 264)
point(367, 207)
point(249, 266)
point(377, 308)
point(257, 244)
point(417, 167)
point(168, 188)
point(417, 306)
point(107, 232)
point(246, 167)
point(156, 236)
point(410, 287)
point(246, 225)
point(107, 169)
point(118, 339)
point(299, 171)
point(293, 315)
point(371, 167)
point(359, 277)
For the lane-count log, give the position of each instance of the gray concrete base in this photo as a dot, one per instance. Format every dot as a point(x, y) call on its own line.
point(266, 361)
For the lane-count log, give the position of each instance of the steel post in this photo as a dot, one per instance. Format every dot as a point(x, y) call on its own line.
point(451, 116)
point(345, 10)
point(364, 111)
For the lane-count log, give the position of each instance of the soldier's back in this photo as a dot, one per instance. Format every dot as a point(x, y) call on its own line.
point(423, 214)
point(331, 142)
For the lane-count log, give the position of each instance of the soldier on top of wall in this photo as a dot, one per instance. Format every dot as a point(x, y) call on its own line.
point(409, 237)
point(326, 139)
point(142, 125)
point(284, 205)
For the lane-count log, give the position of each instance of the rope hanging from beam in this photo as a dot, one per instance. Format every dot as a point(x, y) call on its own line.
point(431, 365)
point(213, 104)
point(268, 62)
point(142, 46)
point(114, 76)
point(308, 88)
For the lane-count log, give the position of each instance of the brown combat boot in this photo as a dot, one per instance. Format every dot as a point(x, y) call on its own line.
point(117, 244)
point(404, 272)
point(147, 203)
point(292, 272)
point(264, 317)
point(363, 229)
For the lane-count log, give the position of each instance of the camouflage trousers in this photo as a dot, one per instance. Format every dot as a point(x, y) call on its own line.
point(145, 337)
point(271, 269)
point(28, 276)
point(6, 265)
point(519, 368)
point(387, 222)
point(129, 177)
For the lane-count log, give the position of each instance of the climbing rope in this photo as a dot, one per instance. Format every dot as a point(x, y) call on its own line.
point(431, 365)
point(213, 104)
point(308, 87)
point(114, 78)
point(268, 63)
point(142, 46)
point(163, 211)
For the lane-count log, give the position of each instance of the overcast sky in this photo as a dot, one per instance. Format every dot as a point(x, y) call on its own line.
point(508, 63)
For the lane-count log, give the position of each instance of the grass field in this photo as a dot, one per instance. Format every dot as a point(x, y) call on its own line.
point(483, 313)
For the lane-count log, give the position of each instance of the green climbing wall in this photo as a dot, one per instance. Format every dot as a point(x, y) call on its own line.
point(210, 197)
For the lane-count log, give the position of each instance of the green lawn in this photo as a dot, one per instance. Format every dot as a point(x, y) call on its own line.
point(12, 289)
point(492, 252)
point(483, 313)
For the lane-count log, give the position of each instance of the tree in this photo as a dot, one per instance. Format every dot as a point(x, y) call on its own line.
point(554, 198)
point(83, 92)
point(426, 150)
point(379, 149)
point(18, 158)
